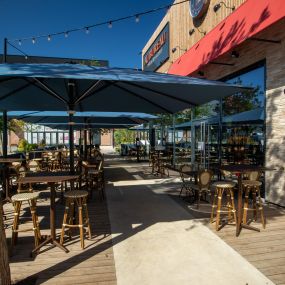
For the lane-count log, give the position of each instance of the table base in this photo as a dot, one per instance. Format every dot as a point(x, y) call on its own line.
point(51, 240)
point(248, 227)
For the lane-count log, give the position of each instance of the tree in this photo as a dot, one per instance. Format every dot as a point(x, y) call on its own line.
point(124, 136)
point(241, 102)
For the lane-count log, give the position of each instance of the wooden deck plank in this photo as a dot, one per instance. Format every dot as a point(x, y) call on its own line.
point(93, 265)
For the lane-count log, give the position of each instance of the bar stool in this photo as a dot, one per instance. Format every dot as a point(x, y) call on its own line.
point(253, 187)
point(221, 188)
point(17, 200)
point(79, 198)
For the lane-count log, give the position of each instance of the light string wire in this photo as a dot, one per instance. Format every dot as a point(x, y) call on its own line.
point(87, 28)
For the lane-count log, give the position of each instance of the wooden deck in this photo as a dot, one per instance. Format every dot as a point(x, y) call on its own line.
point(264, 249)
point(93, 265)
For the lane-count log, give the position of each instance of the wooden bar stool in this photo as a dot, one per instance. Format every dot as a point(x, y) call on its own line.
point(221, 188)
point(253, 187)
point(79, 198)
point(17, 201)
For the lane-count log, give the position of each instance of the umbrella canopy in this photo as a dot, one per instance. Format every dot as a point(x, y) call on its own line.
point(252, 116)
point(43, 117)
point(79, 126)
point(255, 116)
point(59, 87)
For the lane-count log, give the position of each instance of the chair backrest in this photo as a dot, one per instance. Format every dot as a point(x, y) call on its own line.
point(21, 171)
point(100, 165)
point(183, 169)
point(253, 175)
point(204, 178)
point(33, 166)
point(226, 174)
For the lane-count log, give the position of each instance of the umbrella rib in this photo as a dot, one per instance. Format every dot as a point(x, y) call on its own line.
point(15, 91)
point(160, 93)
point(86, 92)
point(45, 87)
point(96, 91)
point(143, 98)
point(27, 115)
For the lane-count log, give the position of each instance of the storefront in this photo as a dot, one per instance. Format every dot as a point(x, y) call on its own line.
point(241, 41)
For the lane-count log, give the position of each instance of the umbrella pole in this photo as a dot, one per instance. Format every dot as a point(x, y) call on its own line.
point(220, 131)
point(90, 143)
point(5, 134)
point(71, 143)
point(192, 139)
point(173, 138)
point(80, 142)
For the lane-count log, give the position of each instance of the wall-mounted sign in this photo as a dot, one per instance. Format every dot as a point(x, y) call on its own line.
point(158, 52)
point(198, 8)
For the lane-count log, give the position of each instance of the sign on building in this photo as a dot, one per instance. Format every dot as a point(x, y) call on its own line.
point(158, 52)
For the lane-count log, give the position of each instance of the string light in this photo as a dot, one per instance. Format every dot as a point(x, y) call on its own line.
point(137, 18)
point(109, 23)
point(20, 42)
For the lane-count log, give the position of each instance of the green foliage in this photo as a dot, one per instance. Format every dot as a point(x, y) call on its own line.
point(24, 146)
point(244, 101)
point(124, 136)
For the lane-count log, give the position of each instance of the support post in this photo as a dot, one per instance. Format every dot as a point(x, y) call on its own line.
point(5, 134)
point(173, 139)
point(71, 91)
point(5, 50)
point(80, 142)
point(90, 142)
point(84, 145)
point(220, 131)
point(192, 139)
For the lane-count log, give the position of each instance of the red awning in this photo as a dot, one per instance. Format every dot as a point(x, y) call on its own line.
point(249, 19)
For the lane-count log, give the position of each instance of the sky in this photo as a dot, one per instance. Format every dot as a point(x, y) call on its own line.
point(121, 45)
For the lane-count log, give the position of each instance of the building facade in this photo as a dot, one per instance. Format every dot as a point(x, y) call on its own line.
point(226, 40)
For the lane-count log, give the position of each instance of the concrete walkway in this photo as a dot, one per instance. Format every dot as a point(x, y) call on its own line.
point(156, 241)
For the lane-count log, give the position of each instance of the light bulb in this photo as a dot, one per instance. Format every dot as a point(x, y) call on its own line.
point(66, 34)
point(20, 42)
point(87, 30)
point(110, 25)
point(26, 57)
point(137, 18)
point(49, 38)
point(33, 40)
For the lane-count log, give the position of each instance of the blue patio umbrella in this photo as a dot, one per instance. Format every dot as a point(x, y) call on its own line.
point(105, 118)
point(59, 87)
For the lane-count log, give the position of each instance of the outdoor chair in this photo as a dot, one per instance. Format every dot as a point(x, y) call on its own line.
point(186, 180)
point(253, 187)
point(17, 201)
point(221, 188)
point(33, 166)
point(202, 187)
point(76, 198)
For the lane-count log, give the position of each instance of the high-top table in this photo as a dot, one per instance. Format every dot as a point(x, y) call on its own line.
point(7, 161)
point(50, 178)
point(240, 170)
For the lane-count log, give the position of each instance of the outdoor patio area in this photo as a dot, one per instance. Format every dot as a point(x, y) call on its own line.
point(144, 233)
